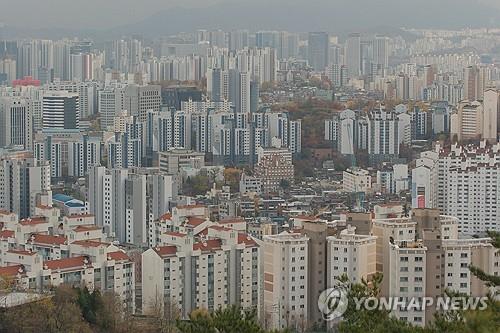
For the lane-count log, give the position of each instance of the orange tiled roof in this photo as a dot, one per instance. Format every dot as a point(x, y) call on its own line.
point(164, 251)
point(74, 262)
point(7, 233)
point(118, 256)
point(11, 270)
point(166, 216)
point(89, 243)
point(22, 252)
point(48, 239)
point(195, 221)
point(33, 220)
point(208, 245)
point(245, 239)
point(83, 228)
point(232, 220)
point(175, 233)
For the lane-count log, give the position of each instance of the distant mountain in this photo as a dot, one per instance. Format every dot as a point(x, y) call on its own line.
point(326, 15)
point(338, 16)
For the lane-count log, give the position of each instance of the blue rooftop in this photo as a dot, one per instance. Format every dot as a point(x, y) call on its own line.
point(74, 204)
point(62, 197)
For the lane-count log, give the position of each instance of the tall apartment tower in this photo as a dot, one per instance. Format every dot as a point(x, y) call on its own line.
point(491, 112)
point(471, 83)
point(318, 50)
point(15, 122)
point(61, 109)
point(353, 55)
point(24, 180)
point(138, 100)
point(317, 270)
point(381, 51)
point(286, 294)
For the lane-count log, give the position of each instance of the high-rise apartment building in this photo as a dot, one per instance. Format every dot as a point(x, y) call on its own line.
point(191, 271)
point(286, 296)
point(461, 182)
point(16, 122)
point(491, 114)
point(22, 181)
point(353, 55)
point(318, 44)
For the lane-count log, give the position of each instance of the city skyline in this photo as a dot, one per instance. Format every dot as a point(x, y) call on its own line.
point(234, 167)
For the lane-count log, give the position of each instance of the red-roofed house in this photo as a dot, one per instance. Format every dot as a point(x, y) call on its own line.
point(32, 261)
point(74, 271)
point(48, 246)
point(28, 226)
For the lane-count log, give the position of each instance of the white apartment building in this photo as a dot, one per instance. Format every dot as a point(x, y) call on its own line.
point(407, 278)
point(383, 138)
point(38, 257)
point(389, 231)
point(87, 94)
point(71, 153)
point(350, 254)
point(467, 123)
point(22, 181)
point(16, 122)
point(460, 254)
point(192, 272)
point(462, 182)
point(356, 180)
point(285, 264)
point(491, 111)
point(250, 184)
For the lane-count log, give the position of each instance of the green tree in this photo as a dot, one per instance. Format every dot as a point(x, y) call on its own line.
point(231, 319)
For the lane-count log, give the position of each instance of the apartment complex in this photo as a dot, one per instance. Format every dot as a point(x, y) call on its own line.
point(200, 264)
point(463, 181)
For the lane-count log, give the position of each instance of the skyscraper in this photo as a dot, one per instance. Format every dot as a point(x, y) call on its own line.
point(353, 55)
point(318, 50)
point(490, 114)
point(24, 181)
point(380, 51)
point(15, 122)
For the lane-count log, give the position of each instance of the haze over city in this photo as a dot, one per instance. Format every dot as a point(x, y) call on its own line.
point(321, 166)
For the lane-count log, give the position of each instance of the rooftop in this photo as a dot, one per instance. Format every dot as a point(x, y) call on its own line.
point(164, 251)
point(66, 263)
point(118, 256)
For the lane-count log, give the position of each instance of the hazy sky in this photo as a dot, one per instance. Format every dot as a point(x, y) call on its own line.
point(104, 14)
point(86, 13)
